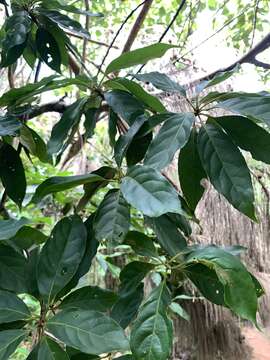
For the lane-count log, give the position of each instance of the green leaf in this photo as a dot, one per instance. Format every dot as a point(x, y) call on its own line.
point(141, 244)
point(138, 56)
point(126, 307)
point(181, 223)
point(48, 49)
point(226, 168)
point(239, 290)
point(123, 104)
point(9, 341)
point(148, 191)
point(9, 125)
point(250, 105)
point(189, 163)
point(17, 27)
point(66, 22)
point(154, 121)
point(217, 79)
point(132, 275)
point(149, 100)
point(48, 349)
point(12, 308)
point(60, 257)
point(247, 135)
point(125, 140)
point(137, 149)
point(112, 218)
point(162, 82)
point(26, 237)
point(13, 268)
point(9, 228)
point(107, 173)
point(125, 357)
point(90, 298)
point(177, 309)
point(151, 335)
point(70, 119)
point(172, 136)
point(12, 173)
point(62, 183)
point(168, 235)
point(86, 330)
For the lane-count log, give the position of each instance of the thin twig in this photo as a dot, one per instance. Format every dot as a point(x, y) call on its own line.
point(91, 40)
point(256, 8)
point(87, 23)
point(117, 33)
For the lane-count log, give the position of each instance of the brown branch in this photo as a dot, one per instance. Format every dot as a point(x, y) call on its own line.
point(57, 106)
point(248, 58)
point(137, 25)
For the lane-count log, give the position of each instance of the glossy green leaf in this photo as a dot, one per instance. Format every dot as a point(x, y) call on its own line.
point(13, 267)
point(9, 341)
point(137, 148)
point(168, 235)
point(90, 298)
point(60, 4)
point(62, 129)
point(12, 173)
point(26, 237)
point(12, 308)
point(191, 172)
point(66, 22)
point(126, 307)
point(250, 105)
point(123, 104)
point(226, 168)
point(132, 275)
point(138, 56)
point(9, 125)
point(172, 136)
point(151, 334)
point(17, 27)
point(9, 228)
point(48, 349)
point(112, 218)
point(62, 183)
point(149, 100)
point(86, 330)
point(125, 140)
point(152, 122)
point(181, 223)
point(247, 135)
point(148, 191)
point(48, 49)
point(162, 82)
point(179, 310)
point(60, 257)
point(239, 290)
point(141, 244)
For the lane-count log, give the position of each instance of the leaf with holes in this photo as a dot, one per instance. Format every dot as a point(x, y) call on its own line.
point(172, 136)
point(60, 257)
point(48, 49)
point(226, 167)
point(148, 191)
point(161, 81)
point(151, 334)
point(112, 218)
point(12, 173)
point(191, 172)
point(9, 341)
point(138, 56)
point(86, 330)
point(247, 135)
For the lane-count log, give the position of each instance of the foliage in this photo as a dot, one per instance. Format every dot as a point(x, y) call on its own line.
point(132, 192)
